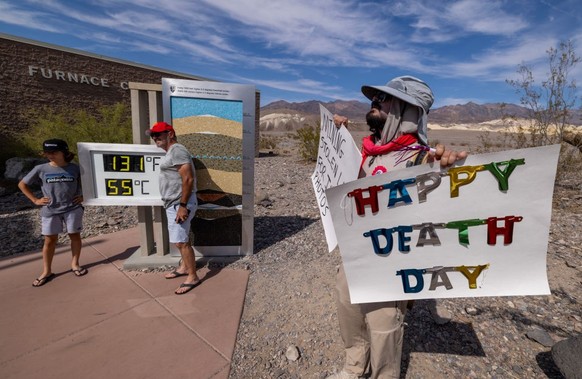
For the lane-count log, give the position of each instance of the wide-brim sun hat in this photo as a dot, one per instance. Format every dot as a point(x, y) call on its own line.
point(406, 88)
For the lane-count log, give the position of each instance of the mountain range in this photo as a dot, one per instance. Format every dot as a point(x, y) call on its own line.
point(297, 114)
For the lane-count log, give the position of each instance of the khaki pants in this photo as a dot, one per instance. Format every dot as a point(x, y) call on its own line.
point(372, 333)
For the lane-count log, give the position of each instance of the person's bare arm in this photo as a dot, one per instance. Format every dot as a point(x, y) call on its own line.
point(28, 193)
point(185, 172)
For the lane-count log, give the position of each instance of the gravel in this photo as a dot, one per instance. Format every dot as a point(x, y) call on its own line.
point(289, 327)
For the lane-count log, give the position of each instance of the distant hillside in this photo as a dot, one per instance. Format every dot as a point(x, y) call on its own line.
point(475, 113)
point(354, 110)
point(299, 114)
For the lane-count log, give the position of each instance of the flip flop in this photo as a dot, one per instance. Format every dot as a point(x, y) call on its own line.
point(189, 286)
point(80, 271)
point(176, 274)
point(38, 282)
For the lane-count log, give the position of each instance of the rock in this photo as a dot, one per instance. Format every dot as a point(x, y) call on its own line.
point(571, 264)
point(472, 311)
point(540, 336)
point(17, 167)
point(566, 355)
point(569, 153)
point(440, 315)
point(292, 353)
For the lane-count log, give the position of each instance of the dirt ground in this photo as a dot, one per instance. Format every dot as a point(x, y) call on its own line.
point(471, 141)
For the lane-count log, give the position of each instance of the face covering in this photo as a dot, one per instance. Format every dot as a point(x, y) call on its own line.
point(376, 120)
point(402, 118)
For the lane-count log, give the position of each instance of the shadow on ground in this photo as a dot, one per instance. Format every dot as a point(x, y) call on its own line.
point(271, 229)
point(422, 334)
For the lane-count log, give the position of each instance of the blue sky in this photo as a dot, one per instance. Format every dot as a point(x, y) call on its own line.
point(316, 50)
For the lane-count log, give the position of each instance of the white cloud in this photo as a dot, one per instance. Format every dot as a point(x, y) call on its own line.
point(12, 15)
point(304, 39)
point(485, 17)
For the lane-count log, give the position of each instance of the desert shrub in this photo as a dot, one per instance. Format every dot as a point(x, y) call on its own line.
point(550, 103)
point(111, 125)
point(488, 144)
point(267, 142)
point(308, 142)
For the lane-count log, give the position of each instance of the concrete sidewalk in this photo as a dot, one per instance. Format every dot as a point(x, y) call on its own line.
point(111, 323)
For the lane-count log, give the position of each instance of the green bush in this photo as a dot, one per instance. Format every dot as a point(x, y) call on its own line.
point(111, 125)
point(309, 142)
point(267, 143)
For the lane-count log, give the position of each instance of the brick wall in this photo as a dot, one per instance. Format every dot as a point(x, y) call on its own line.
point(52, 82)
point(33, 76)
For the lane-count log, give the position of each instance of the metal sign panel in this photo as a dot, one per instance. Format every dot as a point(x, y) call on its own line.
point(216, 122)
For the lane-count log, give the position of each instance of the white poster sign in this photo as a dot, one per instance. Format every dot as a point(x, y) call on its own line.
point(338, 162)
point(479, 228)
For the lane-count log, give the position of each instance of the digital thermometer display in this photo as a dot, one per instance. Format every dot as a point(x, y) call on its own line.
point(120, 174)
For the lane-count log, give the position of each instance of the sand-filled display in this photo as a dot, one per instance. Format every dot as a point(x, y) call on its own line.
point(216, 147)
point(208, 124)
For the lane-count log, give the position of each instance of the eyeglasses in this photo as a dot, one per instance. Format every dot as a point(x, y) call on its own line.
point(378, 99)
point(381, 97)
point(157, 134)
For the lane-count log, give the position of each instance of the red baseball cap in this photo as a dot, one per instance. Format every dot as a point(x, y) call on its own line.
point(160, 127)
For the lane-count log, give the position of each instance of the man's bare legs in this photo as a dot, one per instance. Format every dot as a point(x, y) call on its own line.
point(189, 266)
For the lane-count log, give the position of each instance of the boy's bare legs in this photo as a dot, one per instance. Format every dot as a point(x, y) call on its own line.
point(76, 245)
point(48, 253)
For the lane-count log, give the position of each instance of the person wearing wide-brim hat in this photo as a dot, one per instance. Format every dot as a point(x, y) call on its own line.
point(373, 333)
point(61, 203)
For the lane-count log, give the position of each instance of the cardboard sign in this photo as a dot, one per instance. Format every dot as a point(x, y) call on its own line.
point(338, 162)
point(479, 228)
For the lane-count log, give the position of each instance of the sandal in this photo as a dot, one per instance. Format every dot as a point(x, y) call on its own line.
point(38, 282)
point(175, 274)
point(189, 287)
point(80, 271)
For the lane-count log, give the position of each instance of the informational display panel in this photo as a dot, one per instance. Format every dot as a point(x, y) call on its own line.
point(479, 228)
point(120, 174)
point(216, 122)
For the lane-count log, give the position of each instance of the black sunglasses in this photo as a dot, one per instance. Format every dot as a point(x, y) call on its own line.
point(381, 97)
point(157, 134)
point(378, 99)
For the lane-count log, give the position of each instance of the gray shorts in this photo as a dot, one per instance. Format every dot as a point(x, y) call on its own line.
point(71, 222)
point(179, 233)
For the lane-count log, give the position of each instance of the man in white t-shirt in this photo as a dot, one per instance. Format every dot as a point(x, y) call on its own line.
point(178, 190)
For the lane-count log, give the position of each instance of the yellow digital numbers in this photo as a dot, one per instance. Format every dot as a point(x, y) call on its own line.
point(123, 163)
point(118, 187)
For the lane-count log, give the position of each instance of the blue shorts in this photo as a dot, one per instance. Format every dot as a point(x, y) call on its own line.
point(179, 233)
point(71, 222)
